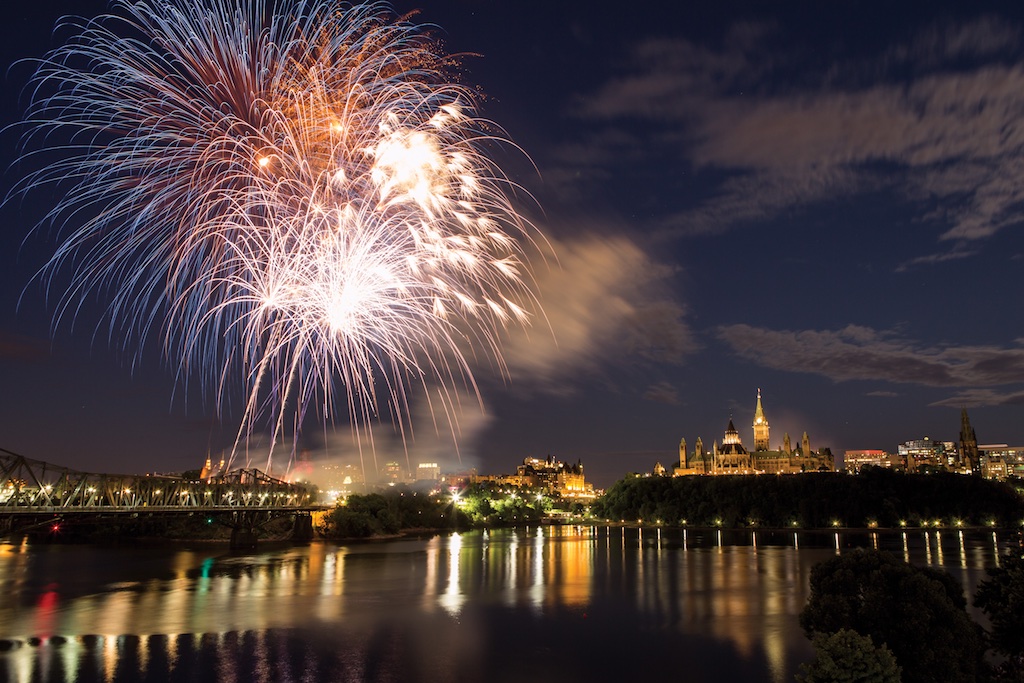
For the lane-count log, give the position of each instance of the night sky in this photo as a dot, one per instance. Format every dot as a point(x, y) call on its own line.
point(821, 200)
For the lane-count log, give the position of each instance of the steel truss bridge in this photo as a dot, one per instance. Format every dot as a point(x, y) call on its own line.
point(33, 492)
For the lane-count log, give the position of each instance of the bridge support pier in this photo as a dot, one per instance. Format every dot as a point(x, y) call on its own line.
point(243, 538)
point(243, 530)
point(302, 528)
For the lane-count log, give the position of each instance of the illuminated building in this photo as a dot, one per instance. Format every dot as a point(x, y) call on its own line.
point(999, 460)
point(428, 471)
point(733, 458)
point(459, 480)
point(209, 471)
point(927, 453)
point(853, 461)
point(392, 473)
point(554, 477)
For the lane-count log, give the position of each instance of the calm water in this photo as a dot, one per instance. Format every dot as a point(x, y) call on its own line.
point(538, 604)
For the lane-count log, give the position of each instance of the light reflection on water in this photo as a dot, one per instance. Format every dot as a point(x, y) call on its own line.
point(551, 603)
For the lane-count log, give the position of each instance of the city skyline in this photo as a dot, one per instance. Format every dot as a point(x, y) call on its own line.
point(820, 201)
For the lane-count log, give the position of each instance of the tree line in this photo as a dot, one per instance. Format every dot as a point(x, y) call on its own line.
point(874, 497)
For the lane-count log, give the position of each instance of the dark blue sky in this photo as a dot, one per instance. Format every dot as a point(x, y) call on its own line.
point(823, 200)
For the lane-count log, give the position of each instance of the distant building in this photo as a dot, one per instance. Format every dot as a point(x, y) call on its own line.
point(853, 461)
point(392, 473)
point(968, 458)
point(999, 460)
point(459, 480)
point(428, 471)
point(733, 458)
point(210, 471)
point(337, 480)
point(925, 452)
point(552, 476)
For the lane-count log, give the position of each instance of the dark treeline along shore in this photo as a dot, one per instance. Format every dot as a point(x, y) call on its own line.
point(874, 498)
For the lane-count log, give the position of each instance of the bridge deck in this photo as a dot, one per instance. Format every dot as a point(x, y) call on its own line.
point(32, 487)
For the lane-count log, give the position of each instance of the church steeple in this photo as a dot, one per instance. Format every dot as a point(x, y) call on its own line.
point(761, 429)
point(969, 454)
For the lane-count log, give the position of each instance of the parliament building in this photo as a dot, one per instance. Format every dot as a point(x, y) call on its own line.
point(731, 457)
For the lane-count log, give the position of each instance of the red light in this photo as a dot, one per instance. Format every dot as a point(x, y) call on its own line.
point(55, 528)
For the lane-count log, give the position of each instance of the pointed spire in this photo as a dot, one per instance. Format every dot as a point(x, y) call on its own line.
point(762, 432)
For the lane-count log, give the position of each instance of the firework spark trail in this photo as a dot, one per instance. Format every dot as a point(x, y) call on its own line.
point(295, 190)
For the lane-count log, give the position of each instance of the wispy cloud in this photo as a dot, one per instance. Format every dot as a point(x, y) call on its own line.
point(662, 392)
point(936, 121)
point(860, 353)
point(982, 397)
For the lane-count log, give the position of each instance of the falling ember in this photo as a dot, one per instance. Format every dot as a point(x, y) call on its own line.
point(368, 244)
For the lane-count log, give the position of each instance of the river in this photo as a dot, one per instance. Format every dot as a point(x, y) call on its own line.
point(570, 603)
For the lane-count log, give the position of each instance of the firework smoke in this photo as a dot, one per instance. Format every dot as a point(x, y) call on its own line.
point(293, 193)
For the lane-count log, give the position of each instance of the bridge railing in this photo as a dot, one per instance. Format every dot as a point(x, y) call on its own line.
point(34, 485)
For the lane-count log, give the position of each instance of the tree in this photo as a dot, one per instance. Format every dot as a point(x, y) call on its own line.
point(848, 657)
point(1001, 597)
point(919, 614)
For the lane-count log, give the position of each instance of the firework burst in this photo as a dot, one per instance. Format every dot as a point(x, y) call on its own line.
point(294, 193)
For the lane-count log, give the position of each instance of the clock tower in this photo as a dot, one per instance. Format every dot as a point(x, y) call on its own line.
point(761, 429)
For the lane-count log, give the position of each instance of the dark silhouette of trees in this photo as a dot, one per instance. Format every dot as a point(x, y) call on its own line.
point(848, 657)
point(876, 497)
point(918, 613)
point(1001, 596)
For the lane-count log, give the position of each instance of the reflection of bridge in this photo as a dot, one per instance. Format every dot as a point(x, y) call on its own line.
point(33, 492)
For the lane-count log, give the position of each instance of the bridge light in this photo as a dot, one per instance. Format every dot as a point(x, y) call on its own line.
point(157, 491)
point(127, 490)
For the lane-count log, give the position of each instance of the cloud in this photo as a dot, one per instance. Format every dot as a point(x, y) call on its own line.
point(930, 259)
point(935, 45)
point(974, 398)
point(445, 434)
point(938, 121)
point(605, 303)
point(662, 392)
point(860, 353)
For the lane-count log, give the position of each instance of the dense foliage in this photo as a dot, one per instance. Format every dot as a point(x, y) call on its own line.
point(1001, 596)
point(848, 657)
point(403, 507)
point(387, 513)
point(493, 505)
point(875, 497)
point(920, 614)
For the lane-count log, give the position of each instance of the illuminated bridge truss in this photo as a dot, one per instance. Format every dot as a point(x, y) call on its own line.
point(31, 487)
